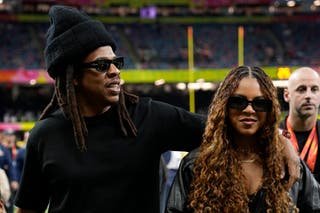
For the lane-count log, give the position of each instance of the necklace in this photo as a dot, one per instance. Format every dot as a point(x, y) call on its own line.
point(251, 158)
point(248, 155)
point(248, 160)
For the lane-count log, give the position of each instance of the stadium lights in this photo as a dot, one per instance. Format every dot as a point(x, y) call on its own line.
point(291, 3)
point(271, 9)
point(194, 86)
point(316, 3)
point(280, 83)
point(287, 3)
point(205, 86)
point(159, 82)
point(231, 10)
point(200, 80)
point(283, 73)
point(181, 86)
point(32, 81)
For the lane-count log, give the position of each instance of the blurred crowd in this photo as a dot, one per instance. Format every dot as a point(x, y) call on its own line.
point(12, 153)
point(164, 46)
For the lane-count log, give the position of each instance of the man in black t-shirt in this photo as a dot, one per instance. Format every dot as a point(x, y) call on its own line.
point(96, 147)
point(303, 96)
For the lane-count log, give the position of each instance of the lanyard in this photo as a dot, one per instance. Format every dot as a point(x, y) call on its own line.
point(310, 149)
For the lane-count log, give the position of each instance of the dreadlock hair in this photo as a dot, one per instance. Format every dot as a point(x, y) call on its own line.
point(64, 97)
point(218, 184)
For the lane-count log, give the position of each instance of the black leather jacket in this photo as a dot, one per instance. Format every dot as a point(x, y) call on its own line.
point(305, 193)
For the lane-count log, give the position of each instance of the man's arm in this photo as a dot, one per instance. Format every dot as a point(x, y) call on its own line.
point(291, 161)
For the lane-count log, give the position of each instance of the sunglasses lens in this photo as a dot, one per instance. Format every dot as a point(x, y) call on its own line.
point(262, 105)
point(103, 65)
point(259, 105)
point(118, 62)
point(238, 103)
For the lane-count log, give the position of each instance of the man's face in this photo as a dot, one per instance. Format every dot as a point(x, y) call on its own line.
point(99, 84)
point(303, 94)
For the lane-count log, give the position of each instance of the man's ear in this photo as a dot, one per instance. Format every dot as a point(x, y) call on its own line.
point(286, 95)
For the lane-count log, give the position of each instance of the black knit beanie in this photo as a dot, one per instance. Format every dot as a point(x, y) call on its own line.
point(71, 36)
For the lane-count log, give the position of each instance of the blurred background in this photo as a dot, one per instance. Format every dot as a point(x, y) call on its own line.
point(175, 50)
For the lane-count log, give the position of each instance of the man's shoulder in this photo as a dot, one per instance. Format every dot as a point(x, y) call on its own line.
point(144, 100)
point(56, 116)
point(49, 127)
point(148, 101)
point(147, 104)
point(52, 121)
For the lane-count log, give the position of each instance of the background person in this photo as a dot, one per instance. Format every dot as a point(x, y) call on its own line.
point(303, 96)
point(5, 191)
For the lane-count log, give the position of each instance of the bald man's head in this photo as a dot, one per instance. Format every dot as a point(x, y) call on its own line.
point(303, 93)
point(300, 74)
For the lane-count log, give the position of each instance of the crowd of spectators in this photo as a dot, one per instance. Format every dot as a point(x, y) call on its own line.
point(165, 46)
point(157, 46)
point(12, 152)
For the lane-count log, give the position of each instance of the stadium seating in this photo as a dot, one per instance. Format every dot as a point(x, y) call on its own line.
point(164, 46)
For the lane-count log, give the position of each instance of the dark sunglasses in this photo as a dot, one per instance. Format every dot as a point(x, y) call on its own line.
point(103, 65)
point(258, 104)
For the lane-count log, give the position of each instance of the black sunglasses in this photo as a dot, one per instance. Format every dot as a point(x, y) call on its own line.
point(103, 65)
point(258, 104)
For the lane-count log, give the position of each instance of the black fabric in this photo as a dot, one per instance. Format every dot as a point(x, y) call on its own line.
point(305, 193)
point(256, 202)
point(117, 173)
point(302, 138)
point(316, 172)
point(71, 36)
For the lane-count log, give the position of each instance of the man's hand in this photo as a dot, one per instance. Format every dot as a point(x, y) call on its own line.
point(291, 161)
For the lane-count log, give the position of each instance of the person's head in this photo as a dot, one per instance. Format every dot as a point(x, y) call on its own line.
point(9, 139)
point(303, 93)
point(98, 83)
point(80, 56)
point(79, 53)
point(245, 106)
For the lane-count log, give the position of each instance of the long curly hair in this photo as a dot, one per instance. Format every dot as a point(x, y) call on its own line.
point(218, 184)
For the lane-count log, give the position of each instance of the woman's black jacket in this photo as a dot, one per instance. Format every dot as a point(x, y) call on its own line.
point(305, 193)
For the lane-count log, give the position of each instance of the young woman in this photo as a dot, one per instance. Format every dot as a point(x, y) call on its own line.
point(238, 167)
